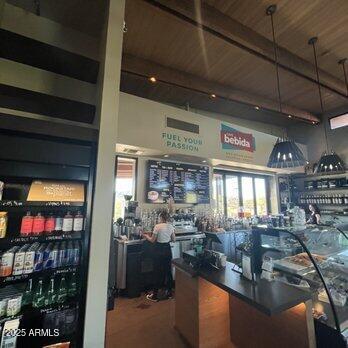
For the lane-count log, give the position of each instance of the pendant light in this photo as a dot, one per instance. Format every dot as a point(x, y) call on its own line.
point(285, 153)
point(329, 162)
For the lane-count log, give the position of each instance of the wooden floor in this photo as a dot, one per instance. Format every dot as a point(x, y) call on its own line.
point(141, 323)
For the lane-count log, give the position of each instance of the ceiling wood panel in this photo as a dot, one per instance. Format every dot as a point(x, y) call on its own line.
point(166, 40)
point(295, 22)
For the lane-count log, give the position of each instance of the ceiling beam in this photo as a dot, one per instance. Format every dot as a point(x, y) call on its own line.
point(237, 34)
point(146, 68)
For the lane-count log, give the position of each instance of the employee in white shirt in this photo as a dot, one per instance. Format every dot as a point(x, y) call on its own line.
point(162, 235)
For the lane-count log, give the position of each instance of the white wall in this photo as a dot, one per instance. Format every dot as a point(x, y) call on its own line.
point(142, 123)
point(314, 137)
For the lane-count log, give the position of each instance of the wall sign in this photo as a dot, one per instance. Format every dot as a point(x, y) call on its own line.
point(63, 191)
point(186, 183)
point(232, 139)
point(176, 141)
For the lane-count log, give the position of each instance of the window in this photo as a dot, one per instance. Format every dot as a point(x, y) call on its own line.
point(232, 196)
point(218, 194)
point(125, 183)
point(234, 190)
point(248, 196)
point(261, 196)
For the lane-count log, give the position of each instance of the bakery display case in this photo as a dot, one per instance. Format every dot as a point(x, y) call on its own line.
point(314, 259)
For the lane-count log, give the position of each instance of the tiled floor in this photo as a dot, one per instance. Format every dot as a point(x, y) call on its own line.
point(140, 323)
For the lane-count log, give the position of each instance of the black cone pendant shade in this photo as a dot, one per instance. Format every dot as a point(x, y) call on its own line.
point(329, 163)
point(286, 154)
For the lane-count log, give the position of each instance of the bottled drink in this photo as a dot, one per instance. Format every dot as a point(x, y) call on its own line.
point(76, 259)
point(78, 222)
point(59, 223)
point(50, 224)
point(67, 222)
point(51, 295)
point(27, 224)
point(72, 290)
point(28, 293)
point(47, 257)
point(39, 297)
point(55, 256)
point(38, 224)
point(62, 291)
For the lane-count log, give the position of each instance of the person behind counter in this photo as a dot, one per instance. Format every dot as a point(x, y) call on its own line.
point(162, 235)
point(314, 218)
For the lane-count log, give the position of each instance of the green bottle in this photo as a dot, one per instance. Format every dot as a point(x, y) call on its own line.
point(51, 296)
point(62, 291)
point(39, 296)
point(28, 293)
point(72, 290)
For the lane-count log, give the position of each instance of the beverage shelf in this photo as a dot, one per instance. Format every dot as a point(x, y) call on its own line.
point(4, 319)
point(342, 188)
point(26, 204)
point(43, 274)
point(30, 311)
point(10, 241)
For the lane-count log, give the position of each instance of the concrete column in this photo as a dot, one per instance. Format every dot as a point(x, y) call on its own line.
point(108, 100)
point(2, 5)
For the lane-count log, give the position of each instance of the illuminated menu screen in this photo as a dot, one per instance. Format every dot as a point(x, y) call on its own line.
point(184, 182)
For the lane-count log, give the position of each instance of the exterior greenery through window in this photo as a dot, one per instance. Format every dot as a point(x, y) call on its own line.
point(234, 190)
point(125, 183)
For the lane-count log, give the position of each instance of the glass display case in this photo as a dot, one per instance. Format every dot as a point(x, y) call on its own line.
point(315, 259)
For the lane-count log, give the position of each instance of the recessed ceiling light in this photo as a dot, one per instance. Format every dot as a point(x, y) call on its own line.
point(204, 161)
point(256, 107)
point(153, 79)
point(166, 156)
point(213, 95)
point(289, 116)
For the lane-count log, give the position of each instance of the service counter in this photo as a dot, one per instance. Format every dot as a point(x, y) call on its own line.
point(220, 308)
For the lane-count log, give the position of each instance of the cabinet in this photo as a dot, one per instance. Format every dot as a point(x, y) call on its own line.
point(314, 259)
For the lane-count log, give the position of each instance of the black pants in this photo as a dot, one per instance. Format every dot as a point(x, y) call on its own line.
point(162, 267)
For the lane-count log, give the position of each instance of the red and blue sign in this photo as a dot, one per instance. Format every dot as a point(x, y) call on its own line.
point(233, 139)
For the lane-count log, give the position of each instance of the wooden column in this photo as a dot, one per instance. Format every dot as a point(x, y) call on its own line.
point(201, 312)
point(251, 328)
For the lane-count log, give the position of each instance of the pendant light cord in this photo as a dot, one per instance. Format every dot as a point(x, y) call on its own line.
point(312, 42)
point(343, 63)
point(270, 11)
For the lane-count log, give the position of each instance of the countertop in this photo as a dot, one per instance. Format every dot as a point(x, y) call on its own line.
point(268, 297)
point(178, 238)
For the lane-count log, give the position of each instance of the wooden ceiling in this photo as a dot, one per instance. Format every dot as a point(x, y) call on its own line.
point(162, 33)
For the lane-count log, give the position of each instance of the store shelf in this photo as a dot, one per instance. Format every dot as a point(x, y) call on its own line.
point(25, 204)
point(13, 279)
point(342, 188)
point(4, 319)
point(9, 241)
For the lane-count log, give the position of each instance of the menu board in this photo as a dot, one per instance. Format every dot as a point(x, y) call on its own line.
point(184, 182)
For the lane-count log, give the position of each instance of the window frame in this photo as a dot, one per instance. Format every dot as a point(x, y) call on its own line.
point(135, 179)
point(238, 174)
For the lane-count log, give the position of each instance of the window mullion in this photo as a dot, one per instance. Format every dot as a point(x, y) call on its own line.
point(254, 197)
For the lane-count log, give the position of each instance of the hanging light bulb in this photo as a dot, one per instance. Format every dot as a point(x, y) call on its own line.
point(329, 162)
point(285, 153)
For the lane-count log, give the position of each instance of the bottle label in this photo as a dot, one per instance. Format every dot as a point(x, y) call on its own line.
point(18, 263)
point(78, 224)
point(6, 264)
point(29, 262)
point(38, 225)
point(67, 224)
point(27, 225)
point(59, 224)
point(50, 225)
